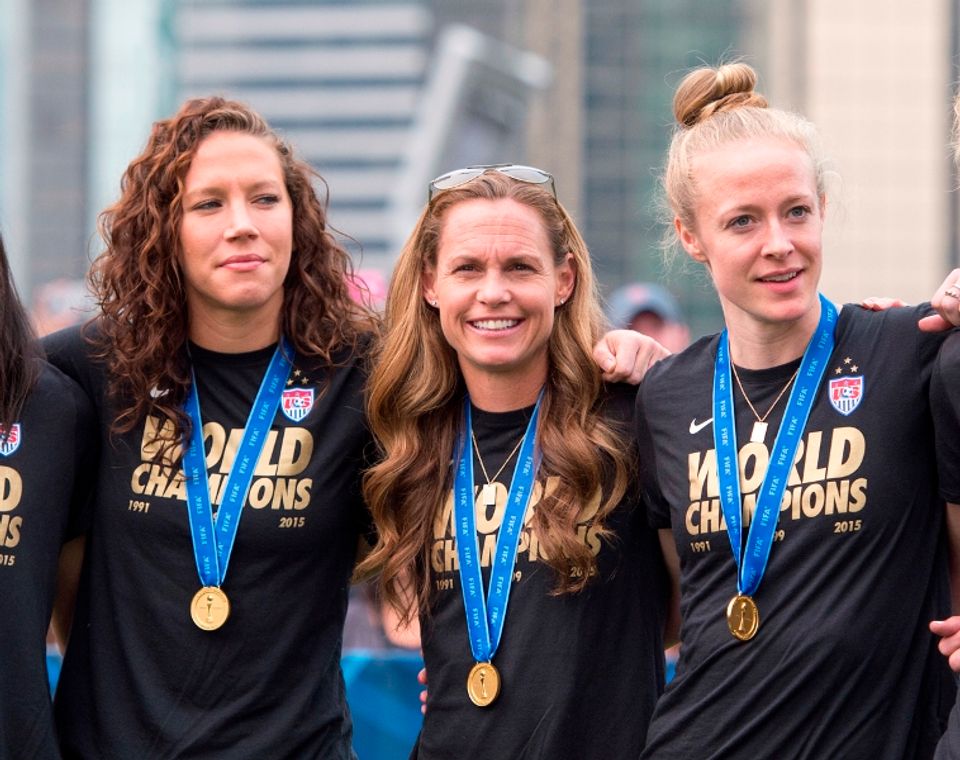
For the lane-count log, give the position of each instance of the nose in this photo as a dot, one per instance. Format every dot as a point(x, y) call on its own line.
point(777, 242)
point(240, 224)
point(493, 288)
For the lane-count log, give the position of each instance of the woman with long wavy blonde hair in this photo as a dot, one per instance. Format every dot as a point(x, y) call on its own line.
point(226, 367)
point(486, 363)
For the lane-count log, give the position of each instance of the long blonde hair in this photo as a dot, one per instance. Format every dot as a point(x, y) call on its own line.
point(414, 399)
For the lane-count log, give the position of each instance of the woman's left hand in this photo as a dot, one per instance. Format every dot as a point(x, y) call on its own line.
point(949, 632)
point(626, 355)
point(946, 302)
point(422, 678)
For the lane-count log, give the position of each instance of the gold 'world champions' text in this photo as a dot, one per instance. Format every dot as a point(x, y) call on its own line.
point(11, 494)
point(821, 481)
point(286, 453)
point(443, 555)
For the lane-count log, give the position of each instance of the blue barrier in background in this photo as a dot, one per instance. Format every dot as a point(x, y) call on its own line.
point(383, 693)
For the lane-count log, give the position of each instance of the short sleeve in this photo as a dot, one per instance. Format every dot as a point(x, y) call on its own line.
point(945, 409)
point(658, 510)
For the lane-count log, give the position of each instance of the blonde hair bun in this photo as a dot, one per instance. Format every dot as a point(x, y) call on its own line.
point(708, 90)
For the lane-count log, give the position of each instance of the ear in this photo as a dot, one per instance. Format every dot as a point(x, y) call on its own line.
point(566, 279)
point(823, 207)
point(689, 241)
point(427, 284)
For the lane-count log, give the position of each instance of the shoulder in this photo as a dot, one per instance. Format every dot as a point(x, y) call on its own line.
point(353, 355)
point(71, 348)
point(615, 396)
point(52, 381)
point(59, 398)
point(902, 319)
point(71, 351)
point(692, 362)
point(891, 330)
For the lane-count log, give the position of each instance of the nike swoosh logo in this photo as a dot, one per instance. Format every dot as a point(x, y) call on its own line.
point(696, 427)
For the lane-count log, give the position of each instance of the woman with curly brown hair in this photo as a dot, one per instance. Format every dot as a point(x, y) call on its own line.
point(225, 369)
point(485, 380)
point(45, 425)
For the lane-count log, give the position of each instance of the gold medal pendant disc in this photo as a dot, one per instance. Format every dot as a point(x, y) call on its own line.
point(483, 684)
point(209, 608)
point(743, 617)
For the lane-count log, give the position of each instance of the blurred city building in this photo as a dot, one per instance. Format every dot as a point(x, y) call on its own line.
point(81, 81)
point(44, 140)
point(877, 78)
point(340, 80)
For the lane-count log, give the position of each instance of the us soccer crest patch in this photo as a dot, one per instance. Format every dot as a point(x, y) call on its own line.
point(846, 393)
point(12, 441)
point(296, 403)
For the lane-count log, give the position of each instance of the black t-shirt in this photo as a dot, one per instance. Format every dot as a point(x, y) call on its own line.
point(581, 672)
point(49, 449)
point(945, 402)
point(140, 680)
point(843, 665)
point(949, 746)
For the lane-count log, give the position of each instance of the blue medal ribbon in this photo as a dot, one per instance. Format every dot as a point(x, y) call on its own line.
point(752, 561)
point(486, 614)
point(213, 539)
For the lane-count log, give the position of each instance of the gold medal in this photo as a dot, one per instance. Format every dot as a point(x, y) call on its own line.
point(483, 684)
point(743, 617)
point(210, 608)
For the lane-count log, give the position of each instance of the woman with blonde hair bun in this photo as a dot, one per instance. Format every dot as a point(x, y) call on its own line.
point(789, 463)
point(506, 473)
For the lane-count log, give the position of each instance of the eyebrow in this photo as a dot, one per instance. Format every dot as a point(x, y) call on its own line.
point(216, 189)
point(744, 208)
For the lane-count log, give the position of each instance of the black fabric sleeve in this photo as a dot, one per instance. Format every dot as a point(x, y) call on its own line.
point(69, 351)
point(87, 453)
point(658, 510)
point(945, 408)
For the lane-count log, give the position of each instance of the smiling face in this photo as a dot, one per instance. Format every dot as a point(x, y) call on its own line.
point(496, 285)
point(236, 235)
point(758, 225)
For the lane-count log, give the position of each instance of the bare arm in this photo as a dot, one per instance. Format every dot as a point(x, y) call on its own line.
point(68, 579)
point(953, 538)
point(671, 634)
point(946, 302)
point(949, 630)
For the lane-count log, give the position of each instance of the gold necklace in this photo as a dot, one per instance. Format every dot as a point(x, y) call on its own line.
point(488, 494)
point(759, 431)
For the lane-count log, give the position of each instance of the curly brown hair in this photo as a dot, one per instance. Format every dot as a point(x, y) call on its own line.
point(414, 405)
point(142, 331)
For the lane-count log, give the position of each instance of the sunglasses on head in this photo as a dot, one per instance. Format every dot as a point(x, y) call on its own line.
point(518, 172)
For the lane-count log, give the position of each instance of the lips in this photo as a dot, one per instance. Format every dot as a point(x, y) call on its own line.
point(242, 262)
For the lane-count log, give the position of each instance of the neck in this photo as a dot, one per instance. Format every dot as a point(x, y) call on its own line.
point(233, 333)
point(502, 394)
point(759, 346)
